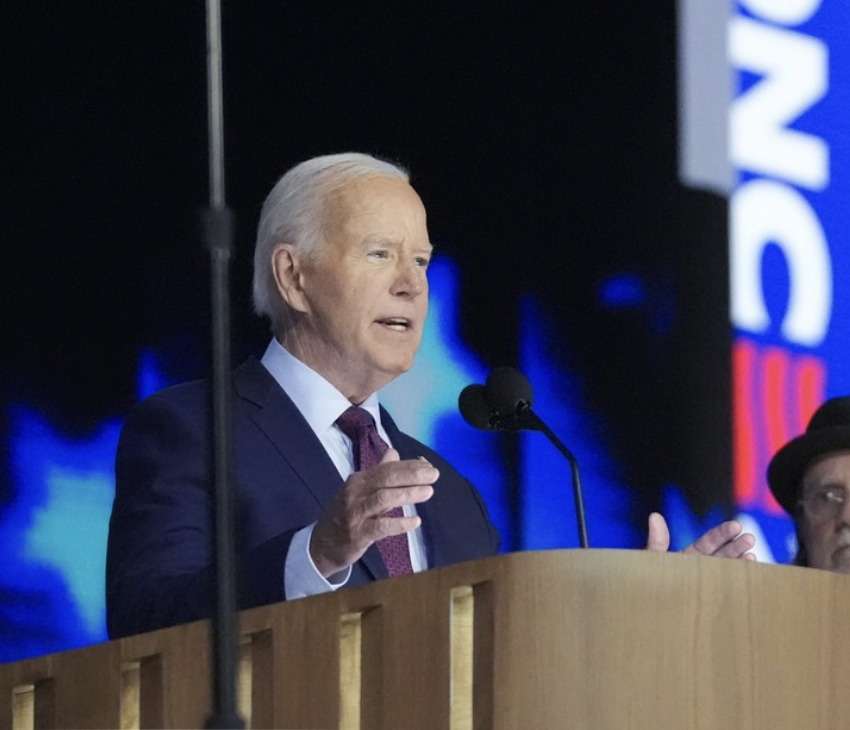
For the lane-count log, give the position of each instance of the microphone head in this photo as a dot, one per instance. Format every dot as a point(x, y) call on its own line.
point(475, 408)
point(508, 391)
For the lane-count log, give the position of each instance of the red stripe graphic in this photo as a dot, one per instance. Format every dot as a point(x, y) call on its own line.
point(774, 393)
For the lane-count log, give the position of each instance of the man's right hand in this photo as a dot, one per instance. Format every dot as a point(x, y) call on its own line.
point(355, 518)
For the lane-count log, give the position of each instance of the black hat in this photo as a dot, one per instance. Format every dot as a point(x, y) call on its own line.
point(828, 430)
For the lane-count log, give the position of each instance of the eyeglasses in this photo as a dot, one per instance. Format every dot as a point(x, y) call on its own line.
point(824, 504)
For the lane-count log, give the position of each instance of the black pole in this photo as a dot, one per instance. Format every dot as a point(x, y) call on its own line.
point(538, 425)
point(218, 236)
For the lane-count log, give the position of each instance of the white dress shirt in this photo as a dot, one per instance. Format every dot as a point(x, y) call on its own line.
point(322, 404)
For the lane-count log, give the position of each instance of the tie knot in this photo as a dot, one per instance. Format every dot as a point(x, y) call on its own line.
point(354, 420)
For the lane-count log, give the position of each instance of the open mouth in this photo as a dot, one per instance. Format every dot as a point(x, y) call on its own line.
point(399, 324)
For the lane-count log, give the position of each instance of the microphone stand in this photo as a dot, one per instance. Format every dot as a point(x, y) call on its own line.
point(577, 496)
point(218, 235)
point(526, 418)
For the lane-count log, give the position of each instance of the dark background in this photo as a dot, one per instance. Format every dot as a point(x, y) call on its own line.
point(541, 139)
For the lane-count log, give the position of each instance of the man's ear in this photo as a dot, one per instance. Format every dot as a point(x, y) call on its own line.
point(287, 267)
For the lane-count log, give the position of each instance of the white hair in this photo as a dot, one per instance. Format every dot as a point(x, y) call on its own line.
point(294, 213)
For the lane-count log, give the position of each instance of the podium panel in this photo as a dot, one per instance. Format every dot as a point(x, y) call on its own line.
point(603, 639)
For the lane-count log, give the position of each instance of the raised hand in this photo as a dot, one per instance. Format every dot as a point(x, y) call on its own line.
point(355, 518)
point(724, 541)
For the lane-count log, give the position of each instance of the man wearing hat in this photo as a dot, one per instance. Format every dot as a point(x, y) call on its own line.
point(810, 478)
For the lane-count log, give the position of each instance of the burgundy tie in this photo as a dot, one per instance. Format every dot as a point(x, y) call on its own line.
point(358, 424)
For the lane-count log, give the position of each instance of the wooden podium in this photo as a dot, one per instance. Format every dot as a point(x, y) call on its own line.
point(597, 639)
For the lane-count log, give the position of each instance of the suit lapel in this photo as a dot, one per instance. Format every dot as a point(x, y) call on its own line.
point(282, 423)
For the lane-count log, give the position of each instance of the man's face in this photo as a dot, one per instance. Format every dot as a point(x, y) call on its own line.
point(827, 539)
point(365, 297)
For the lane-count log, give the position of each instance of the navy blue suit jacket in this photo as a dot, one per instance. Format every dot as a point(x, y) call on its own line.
point(159, 555)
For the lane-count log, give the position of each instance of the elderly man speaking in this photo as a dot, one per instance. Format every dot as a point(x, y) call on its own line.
point(329, 492)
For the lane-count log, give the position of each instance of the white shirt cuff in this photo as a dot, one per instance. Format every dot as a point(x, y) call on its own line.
point(300, 576)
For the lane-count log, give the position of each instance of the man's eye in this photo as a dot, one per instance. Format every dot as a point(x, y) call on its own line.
point(379, 253)
point(830, 496)
point(422, 261)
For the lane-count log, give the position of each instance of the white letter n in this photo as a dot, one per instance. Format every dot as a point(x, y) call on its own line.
point(794, 67)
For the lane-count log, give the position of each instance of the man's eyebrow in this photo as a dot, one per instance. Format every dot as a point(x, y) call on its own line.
point(392, 242)
point(376, 238)
point(825, 483)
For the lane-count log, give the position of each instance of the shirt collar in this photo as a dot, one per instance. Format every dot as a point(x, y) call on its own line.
point(318, 400)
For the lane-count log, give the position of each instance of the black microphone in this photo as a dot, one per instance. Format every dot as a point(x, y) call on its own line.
point(475, 408)
point(504, 404)
point(510, 395)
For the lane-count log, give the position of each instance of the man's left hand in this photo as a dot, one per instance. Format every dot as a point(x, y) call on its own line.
point(724, 541)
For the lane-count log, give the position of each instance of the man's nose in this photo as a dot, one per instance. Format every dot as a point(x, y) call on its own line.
point(410, 280)
point(843, 517)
